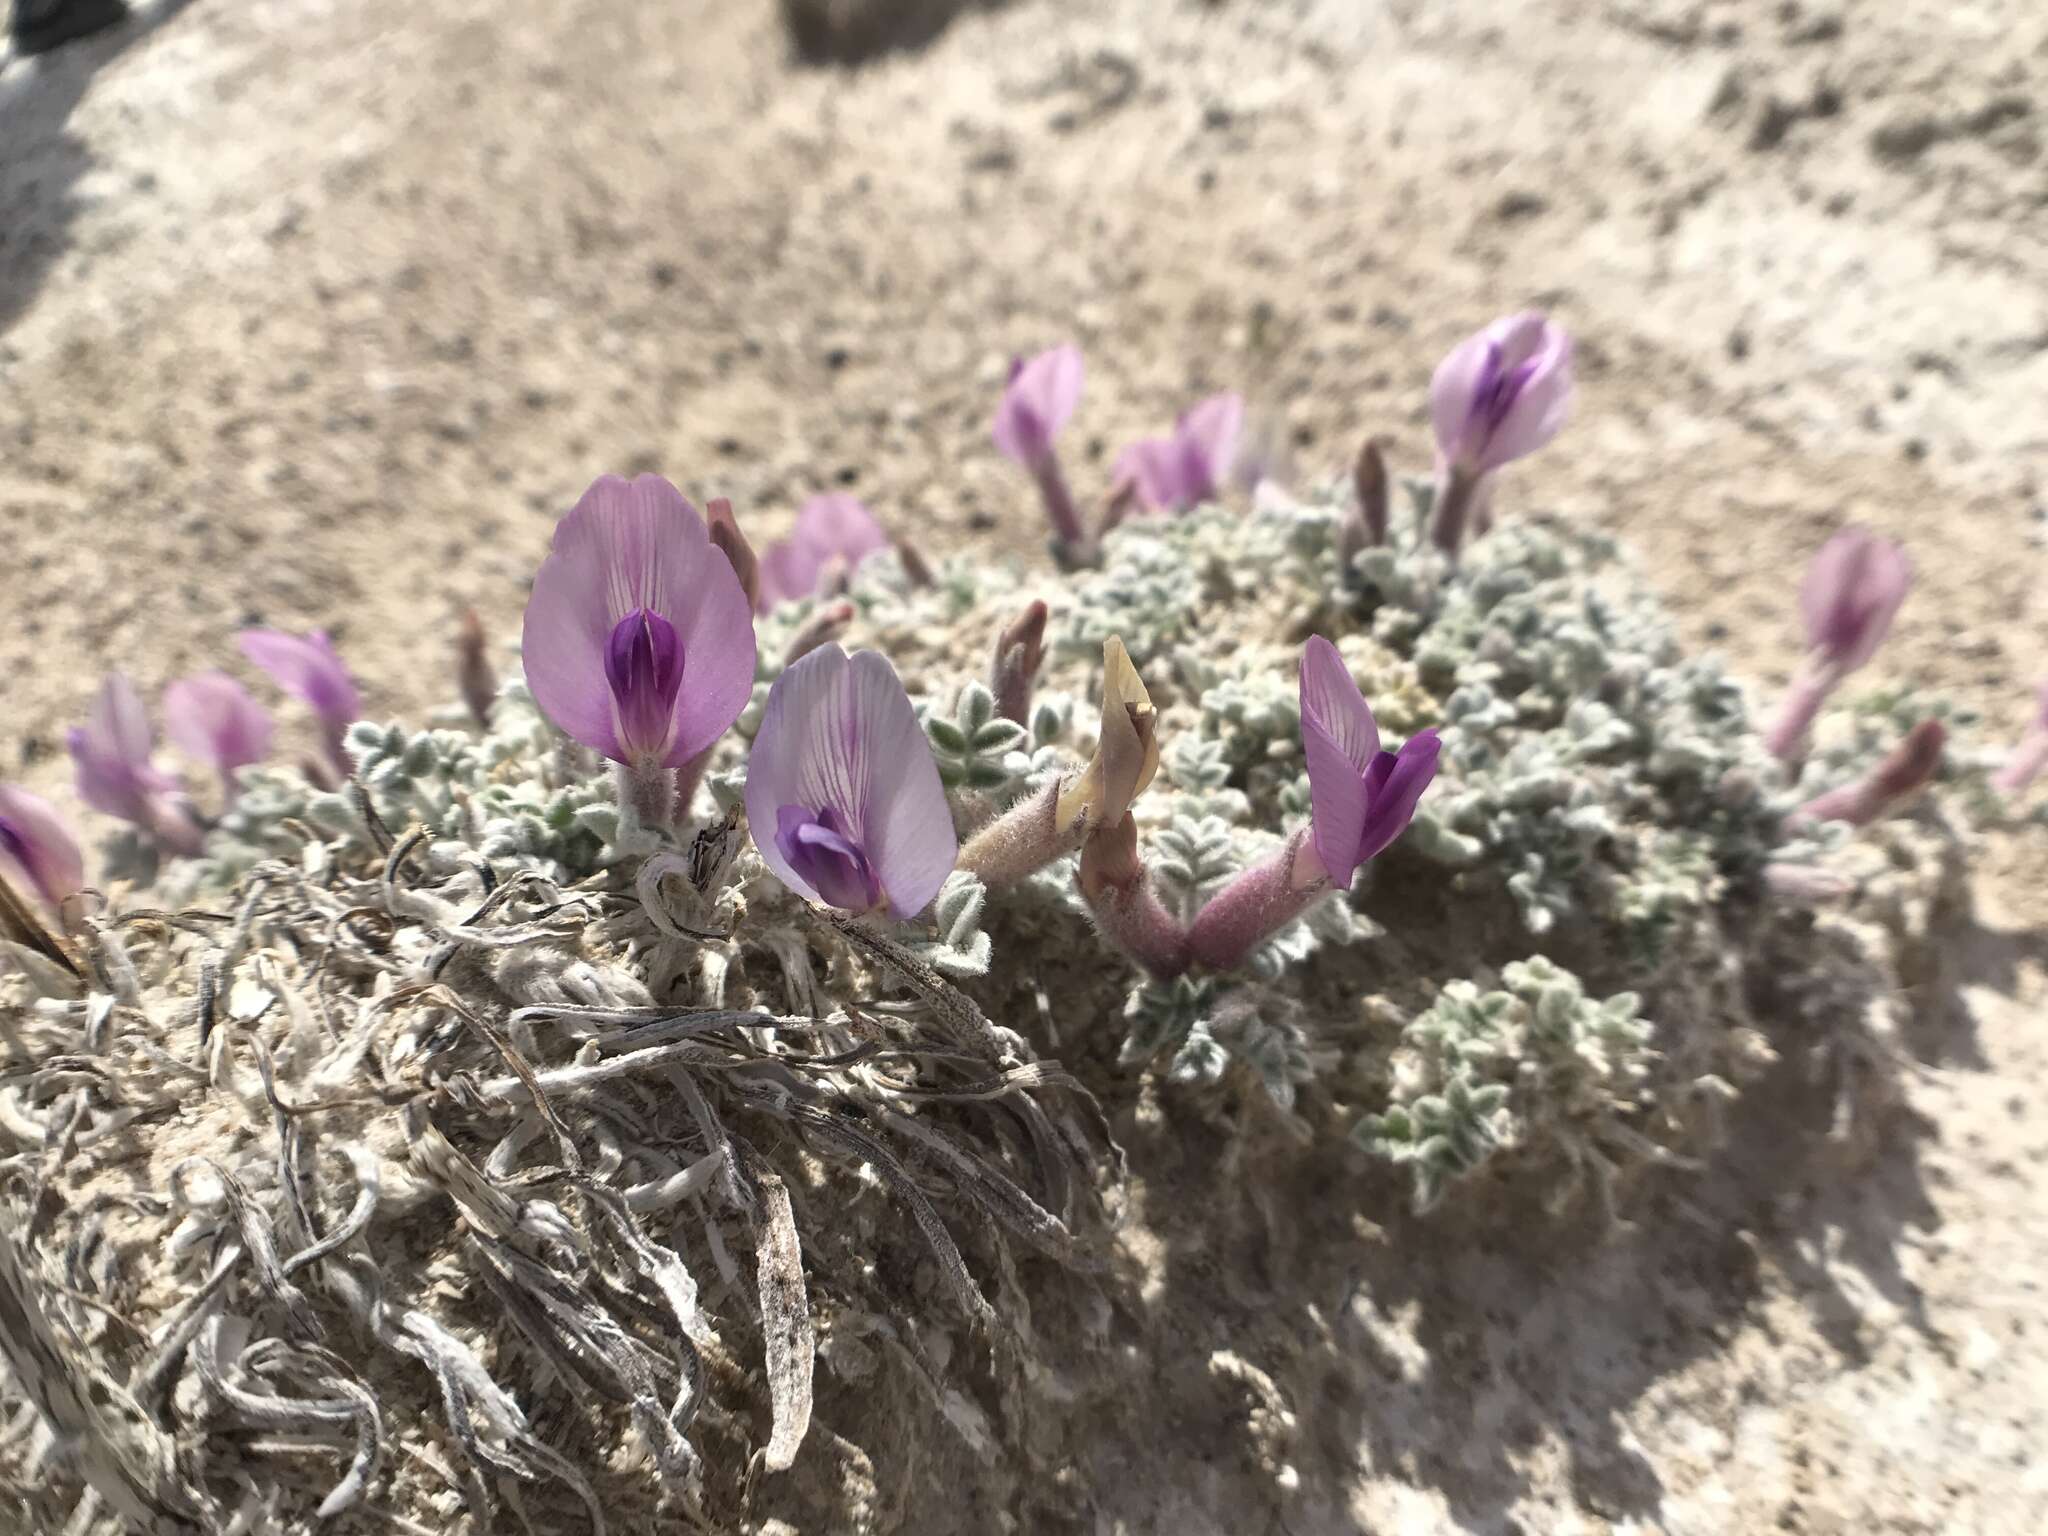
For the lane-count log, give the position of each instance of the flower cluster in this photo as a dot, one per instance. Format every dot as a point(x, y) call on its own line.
point(653, 957)
point(212, 719)
point(1166, 474)
point(1626, 795)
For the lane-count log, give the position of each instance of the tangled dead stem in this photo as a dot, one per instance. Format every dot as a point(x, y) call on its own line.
point(447, 1153)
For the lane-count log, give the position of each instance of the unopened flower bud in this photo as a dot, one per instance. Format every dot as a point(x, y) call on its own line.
point(824, 625)
point(916, 569)
point(473, 675)
point(1020, 651)
point(1364, 526)
point(730, 542)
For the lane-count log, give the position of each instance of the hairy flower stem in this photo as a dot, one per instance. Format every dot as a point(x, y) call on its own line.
point(1908, 768)
point(1258, 904)
point(688, 777)
point(1020, 651)
point(1060, 510)
point(1024, 839)
point(1364, 526)
point(1809, 689)
point(647, 793)
point(1456, 490)
point(1119, 892)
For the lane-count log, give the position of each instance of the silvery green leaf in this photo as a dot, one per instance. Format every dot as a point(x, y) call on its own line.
point(1199, 1061)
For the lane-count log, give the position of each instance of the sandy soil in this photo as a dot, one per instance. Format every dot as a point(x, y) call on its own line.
point(315, 313)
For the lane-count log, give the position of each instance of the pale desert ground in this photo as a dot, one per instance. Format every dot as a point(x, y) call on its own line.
point(318, 314)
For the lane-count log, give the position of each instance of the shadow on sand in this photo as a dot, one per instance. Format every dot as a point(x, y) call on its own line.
point(41, 160)
point(1286, 1333)
point(854, 31)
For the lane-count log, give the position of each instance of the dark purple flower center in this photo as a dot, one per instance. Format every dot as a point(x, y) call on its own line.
point(1394, 782)
point(14, 845)
point(826, 858)
point(1859, 602)
point(643, 663)
point(1031, 431)
point(1197, 471)
point(1499, 387)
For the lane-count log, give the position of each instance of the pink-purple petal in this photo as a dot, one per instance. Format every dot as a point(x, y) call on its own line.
point(906, 825)
point(306, 667)
point(830, 527)
point(1337, 802)
point(1503, 393)
point(120, 721)
point(1339, 740)
point(1041, 396)
point(1393, 790)
point(1208, 435)
point(1153, 469)
point(643, 667)
point(1540, 407)
point(35, 844)
point(1452, 389)
point(839, 736)
point(1331, 698)
point(211, 717)
point(628, 545)
point(793, 729)
point(111, 753)
point(1851, 593)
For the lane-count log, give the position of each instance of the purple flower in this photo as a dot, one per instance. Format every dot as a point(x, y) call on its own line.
point(1501, 394)
point(1851, 593)
point(35, 850)
point(111, 753)
point(638, 641)
point(306, 667)
point(830, 528)
point(1037, 402)
point(1849, 596)
point(1360, 798)
point(212, 718)
point(843, 797)
point(1193, 465)
point(111, 756)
